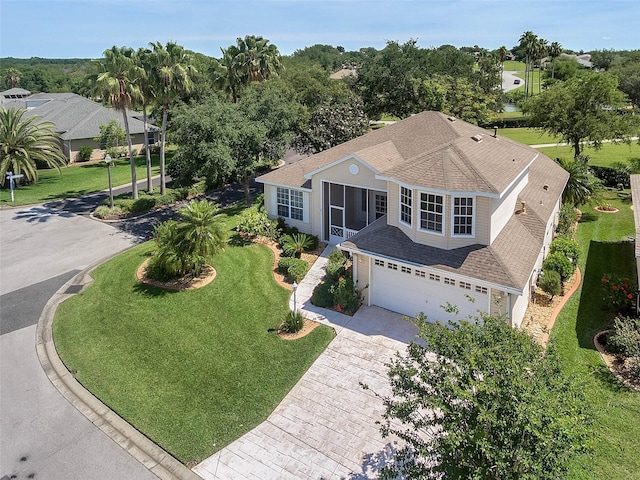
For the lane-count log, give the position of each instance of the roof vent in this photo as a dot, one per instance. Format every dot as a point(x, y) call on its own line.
point(546, 187)
point(477, 138)
point(523, 207)
point(451, 119)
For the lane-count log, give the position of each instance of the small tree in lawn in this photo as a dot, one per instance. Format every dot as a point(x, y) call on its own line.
point(112, 138)
point(480, 400)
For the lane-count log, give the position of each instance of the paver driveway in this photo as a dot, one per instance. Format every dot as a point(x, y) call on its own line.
point(325, 427)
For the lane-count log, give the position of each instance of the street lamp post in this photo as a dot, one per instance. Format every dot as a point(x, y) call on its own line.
point(295, 300)
point(108, 161)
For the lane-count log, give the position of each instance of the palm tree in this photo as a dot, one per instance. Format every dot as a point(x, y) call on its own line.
point(528, 41)
point(582, 187)
point(540, 50)
point(171, 74)
point(25, 141)
point(145, 60)
point(502, 55)
point(229, 74)
point(12, 77)
point(185, 247)
point(252, 59)
point(554, 52)
point(117, 83)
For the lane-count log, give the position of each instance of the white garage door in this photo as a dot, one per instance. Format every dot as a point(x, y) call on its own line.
point(408, 290)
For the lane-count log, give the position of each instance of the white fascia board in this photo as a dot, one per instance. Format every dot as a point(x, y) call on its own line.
point(283, 185)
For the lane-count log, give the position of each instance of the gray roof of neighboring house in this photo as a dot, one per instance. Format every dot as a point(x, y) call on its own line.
point(635, 197)
point(429, 149)
point(75, 117)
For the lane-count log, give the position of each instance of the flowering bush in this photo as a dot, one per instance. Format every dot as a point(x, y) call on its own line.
point(346, 296)
point(618, 293)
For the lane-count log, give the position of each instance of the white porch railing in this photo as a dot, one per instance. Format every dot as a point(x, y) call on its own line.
point(349, 233)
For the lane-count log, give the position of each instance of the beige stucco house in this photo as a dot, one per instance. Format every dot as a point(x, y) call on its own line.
point(432, 210)
point(77, 120)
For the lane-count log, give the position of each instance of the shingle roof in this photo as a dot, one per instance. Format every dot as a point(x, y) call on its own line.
point(508, 261)
point(428, 149)
point(75, 117)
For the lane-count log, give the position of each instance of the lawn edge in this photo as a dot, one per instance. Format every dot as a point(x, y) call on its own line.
point(151, 455)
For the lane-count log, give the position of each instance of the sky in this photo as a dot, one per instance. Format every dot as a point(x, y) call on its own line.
point(85, 28)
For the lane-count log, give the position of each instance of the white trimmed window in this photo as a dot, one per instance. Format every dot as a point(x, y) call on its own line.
point(379, 263)
point(421, 273)
point(404, 269)
point(434, 277)
point(480, 289)
point(465, 285)
point(381, 205)
point(392, 266)
point(449, 281)
point(405, 205)
point(431, 212)
point(463, 216)
point(290, 203)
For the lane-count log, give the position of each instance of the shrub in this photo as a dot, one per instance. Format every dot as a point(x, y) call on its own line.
point(254, 221)
point(294, 268)
point(103, 211)
point(124, 203)
point(567, 218)
point(550, 283)
point(293, 322)
point(84, 154)
point(615, 175)
point(336, 266)
point(625, 339)
point(296, 243)
point(322, 296)
point(566, 247)
point(618, 293)
point(346, 296)
point(559, 263)
point(142, 204)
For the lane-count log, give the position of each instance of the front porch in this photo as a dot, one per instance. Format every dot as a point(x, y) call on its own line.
point(348, 209)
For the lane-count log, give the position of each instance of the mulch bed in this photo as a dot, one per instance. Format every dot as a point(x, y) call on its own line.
point(616, 364)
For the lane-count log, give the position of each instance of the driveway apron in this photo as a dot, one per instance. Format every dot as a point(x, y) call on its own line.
point(325, 427)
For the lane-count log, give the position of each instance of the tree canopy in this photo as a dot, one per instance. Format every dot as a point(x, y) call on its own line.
point(584, 108)
point(480, 400)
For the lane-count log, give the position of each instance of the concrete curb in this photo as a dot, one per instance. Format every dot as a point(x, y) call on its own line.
point(158, 461)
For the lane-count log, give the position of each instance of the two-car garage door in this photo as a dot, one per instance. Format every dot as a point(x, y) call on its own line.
point(408, 290)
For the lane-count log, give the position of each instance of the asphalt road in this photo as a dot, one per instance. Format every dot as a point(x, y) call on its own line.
point(41, 248)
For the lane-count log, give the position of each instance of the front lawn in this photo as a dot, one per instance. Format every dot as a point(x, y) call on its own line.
point(193, 370)
point(605, 245)
point(78, 179)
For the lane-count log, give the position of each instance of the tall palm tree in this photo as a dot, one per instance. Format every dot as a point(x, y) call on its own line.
point(528, 42)
point(502, 55)
point(145, 62)
point(25, 141)
point(540, 50)
point(117, 84)
point(229, 72)
point(172, 72)
point(555, 49)
point(12, 77)
point(252, 59)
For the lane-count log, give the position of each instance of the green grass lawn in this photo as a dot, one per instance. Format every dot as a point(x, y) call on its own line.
point(193, 370)
point(603, 238)
point(513, 66)
point(78, 179)
point(604, 157)
point(529, 136)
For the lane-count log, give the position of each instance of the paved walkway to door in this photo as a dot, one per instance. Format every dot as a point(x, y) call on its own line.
point(325, 427)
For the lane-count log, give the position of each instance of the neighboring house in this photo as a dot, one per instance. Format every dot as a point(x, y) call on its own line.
point(78, 120)
point(432, 210)
point(12, 94)
point(635, 199)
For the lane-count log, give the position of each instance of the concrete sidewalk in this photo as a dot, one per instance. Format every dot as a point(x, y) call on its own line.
point(326, 426)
